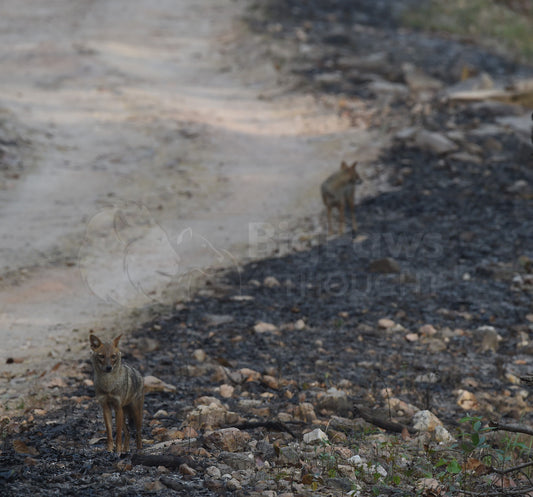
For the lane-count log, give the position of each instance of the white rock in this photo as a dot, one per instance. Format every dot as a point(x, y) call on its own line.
point(262, 327)
point(299, 325)
point(386, 323)
point(437, 143)
point(356, 460)
point(233, 484)
point(425, 421)
point(271, 282)
point(427, 378)
point(315, 436)
point(153, 384)
point(213, 472)
point(199, 355)
point(442, 434)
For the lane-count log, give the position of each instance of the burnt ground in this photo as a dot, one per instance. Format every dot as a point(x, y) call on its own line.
point(458, 230)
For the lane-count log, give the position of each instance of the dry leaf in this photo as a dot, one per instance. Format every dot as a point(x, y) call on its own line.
point(477, 467)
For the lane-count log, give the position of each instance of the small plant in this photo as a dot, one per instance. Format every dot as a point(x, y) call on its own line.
point(474, 440)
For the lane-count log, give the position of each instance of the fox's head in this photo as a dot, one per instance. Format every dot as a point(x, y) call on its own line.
point(352, 176)
point(106, 356)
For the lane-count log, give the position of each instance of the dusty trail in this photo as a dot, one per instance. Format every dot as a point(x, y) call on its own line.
point(144, 120)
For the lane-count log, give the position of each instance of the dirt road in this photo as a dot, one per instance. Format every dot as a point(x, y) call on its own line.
point(159, 135)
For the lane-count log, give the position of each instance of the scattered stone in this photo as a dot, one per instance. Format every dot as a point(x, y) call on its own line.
point(519, 186)
point(270, 381)
point(56, 382)
point(334, 400)
point(520, 125)
point(211, 416)
point(262, 327)
point(233, 485)
point(199, 355)
point(370, 469)
point(427, 330)
point(227, 439)
point(425, 421)
point(218, 319)
point(186, 470)
point(427, 378)
point(250, 375)
point(271, 282)
point(153, 487)
point(315, 436)
point(438, 143)
point(238, 460)
point(213, 472)
point(442, 435)
point(385, 265)
point(306, 412)
point(153, 384)
point(299, 325)
point(467, 400)
point(465, 157)
point(207, 400)
point(288, 456)
point(226, 391)
point(490, 339)
point(386, 323)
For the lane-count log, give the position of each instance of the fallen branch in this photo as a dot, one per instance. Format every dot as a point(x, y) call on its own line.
point(269, 425)
point(380, 422)
point(499, 493)
point(514, 468)
point(511, 428)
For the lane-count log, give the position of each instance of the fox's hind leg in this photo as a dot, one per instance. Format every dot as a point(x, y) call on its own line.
point(136, 411)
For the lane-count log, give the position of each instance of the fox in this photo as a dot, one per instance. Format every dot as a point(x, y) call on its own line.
point(118, 387)
point(337, 191)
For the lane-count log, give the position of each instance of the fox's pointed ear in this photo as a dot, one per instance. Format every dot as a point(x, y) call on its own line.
point(353, 165)
point(116, 340)
point(344, 165)
point(95, 342)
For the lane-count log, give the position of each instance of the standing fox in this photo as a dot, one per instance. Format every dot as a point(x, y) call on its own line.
point(118, 387)
point(338, 190)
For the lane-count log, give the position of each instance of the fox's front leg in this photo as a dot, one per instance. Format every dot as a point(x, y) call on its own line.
point(342, 207)
point(119, 417)
point(108, 426)
point(330, 225)
point(126, 446)
point(351, 206)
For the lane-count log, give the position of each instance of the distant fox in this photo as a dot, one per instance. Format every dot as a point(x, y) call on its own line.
point(338, 191)
point(118, 387)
